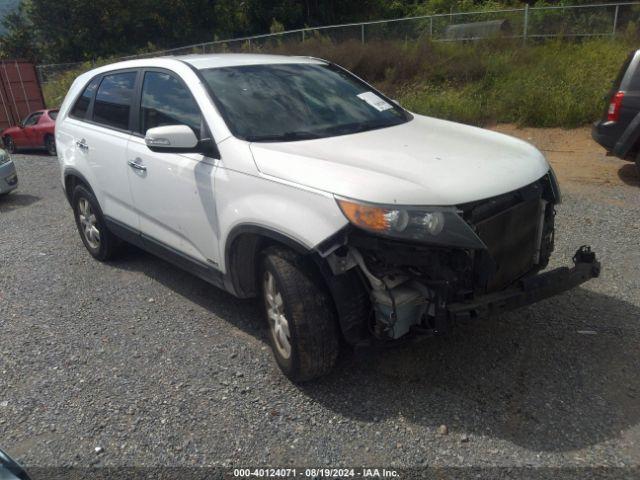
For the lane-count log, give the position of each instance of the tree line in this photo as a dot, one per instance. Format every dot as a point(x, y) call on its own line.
point(49, 31)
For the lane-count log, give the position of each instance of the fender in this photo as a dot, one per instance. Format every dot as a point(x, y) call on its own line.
point(628, 139)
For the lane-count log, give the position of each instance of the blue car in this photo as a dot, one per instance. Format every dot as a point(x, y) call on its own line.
point(8, 175)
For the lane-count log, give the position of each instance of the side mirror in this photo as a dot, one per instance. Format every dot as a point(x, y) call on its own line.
point(172, 138)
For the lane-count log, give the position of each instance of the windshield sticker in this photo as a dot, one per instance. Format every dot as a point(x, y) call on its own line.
point(375, 101)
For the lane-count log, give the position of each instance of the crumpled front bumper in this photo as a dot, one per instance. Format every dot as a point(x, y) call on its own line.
point(530, 290)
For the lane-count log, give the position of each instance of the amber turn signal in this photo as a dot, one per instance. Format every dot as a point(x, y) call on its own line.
point(365, 216)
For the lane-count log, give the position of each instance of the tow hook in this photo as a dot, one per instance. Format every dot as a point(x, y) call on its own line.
point(585, 255)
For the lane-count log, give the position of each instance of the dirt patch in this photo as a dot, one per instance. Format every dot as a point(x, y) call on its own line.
point(576, 158)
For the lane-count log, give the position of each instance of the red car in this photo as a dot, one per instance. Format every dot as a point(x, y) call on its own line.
point(36, 131)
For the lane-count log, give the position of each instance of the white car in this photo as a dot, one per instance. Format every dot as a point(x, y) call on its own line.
point(289, 178)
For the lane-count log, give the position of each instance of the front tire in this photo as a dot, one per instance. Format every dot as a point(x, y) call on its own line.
point(302, 323)
point(50, 145)
point(95, 235)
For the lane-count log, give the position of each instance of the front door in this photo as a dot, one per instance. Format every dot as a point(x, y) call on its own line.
point(173, 193)
point(28, 131)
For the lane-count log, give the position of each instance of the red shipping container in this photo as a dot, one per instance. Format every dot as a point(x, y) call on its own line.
point(20, 92)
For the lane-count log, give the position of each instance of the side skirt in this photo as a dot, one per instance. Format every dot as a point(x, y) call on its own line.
point(206, 272)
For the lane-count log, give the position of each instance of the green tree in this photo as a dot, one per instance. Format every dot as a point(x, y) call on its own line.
point(18, 40)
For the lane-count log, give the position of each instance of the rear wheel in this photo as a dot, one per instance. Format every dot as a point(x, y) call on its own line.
point(302, 323)
point(50, 144)
point(95, 235)
point(9, 144)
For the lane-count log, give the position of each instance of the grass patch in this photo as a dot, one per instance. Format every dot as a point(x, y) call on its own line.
point(554, 84)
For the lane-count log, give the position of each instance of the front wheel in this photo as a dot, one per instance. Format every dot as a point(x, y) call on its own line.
point(302, 323)
point(50, 145)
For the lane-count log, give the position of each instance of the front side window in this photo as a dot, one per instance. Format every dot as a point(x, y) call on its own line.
point(113, 100)
point(81, 106)
point(286, 102)
point(53, 114)
point(32, 119)
point(166, 101)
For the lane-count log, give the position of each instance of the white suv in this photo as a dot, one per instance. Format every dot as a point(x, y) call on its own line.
point(289, 178)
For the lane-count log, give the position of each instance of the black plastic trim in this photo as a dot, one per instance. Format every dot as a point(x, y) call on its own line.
point(530, 290)
point(200, 269)
point(239, 267)
point(72, 172)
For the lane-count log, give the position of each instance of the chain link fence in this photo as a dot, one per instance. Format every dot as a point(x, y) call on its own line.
point(529, 24)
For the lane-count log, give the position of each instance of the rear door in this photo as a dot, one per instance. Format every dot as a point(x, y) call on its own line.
point(173, 192)
point(102, 139)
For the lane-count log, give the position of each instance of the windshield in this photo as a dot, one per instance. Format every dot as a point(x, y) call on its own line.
point(287, 102)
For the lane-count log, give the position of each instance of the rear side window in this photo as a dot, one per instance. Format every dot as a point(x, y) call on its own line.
point(53, 114)
point(166, 101)
point(79, 110)
point(113, 100)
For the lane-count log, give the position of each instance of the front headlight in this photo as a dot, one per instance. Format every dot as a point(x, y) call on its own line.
point(435, 225)
point(4, 157)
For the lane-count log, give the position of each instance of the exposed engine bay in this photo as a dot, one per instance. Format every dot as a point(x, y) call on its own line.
point(411, 285)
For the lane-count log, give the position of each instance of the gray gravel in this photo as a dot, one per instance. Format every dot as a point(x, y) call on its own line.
point(137, 363)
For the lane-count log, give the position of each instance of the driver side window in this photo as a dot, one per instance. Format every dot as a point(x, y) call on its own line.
point(166, 101)
point(32, 119)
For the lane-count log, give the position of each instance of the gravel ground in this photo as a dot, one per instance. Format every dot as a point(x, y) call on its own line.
point(156, 367)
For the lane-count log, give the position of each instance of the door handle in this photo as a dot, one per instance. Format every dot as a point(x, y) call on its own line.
point(137, 166)
point(82, 145)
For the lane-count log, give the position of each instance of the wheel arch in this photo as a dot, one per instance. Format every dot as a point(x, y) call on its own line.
point(72, 178)
point(242, 250)
point(349, 295)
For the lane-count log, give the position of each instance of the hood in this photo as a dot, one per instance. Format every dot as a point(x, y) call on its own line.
point(425, 161)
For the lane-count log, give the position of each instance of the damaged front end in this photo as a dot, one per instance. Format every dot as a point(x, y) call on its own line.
point(422, 268)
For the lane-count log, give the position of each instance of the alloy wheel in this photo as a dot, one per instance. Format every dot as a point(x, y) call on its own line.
point(89, 223)
point(278, 323)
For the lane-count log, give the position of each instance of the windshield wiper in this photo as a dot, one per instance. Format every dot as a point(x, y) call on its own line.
point(285, 137)
point(350, 128)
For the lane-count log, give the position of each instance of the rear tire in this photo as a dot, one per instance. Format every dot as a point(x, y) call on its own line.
point(50, 145)
point(95, 235)
point(9, 144)
point(303, 328)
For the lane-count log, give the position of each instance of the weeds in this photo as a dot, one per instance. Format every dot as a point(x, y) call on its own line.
point(554, 84)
